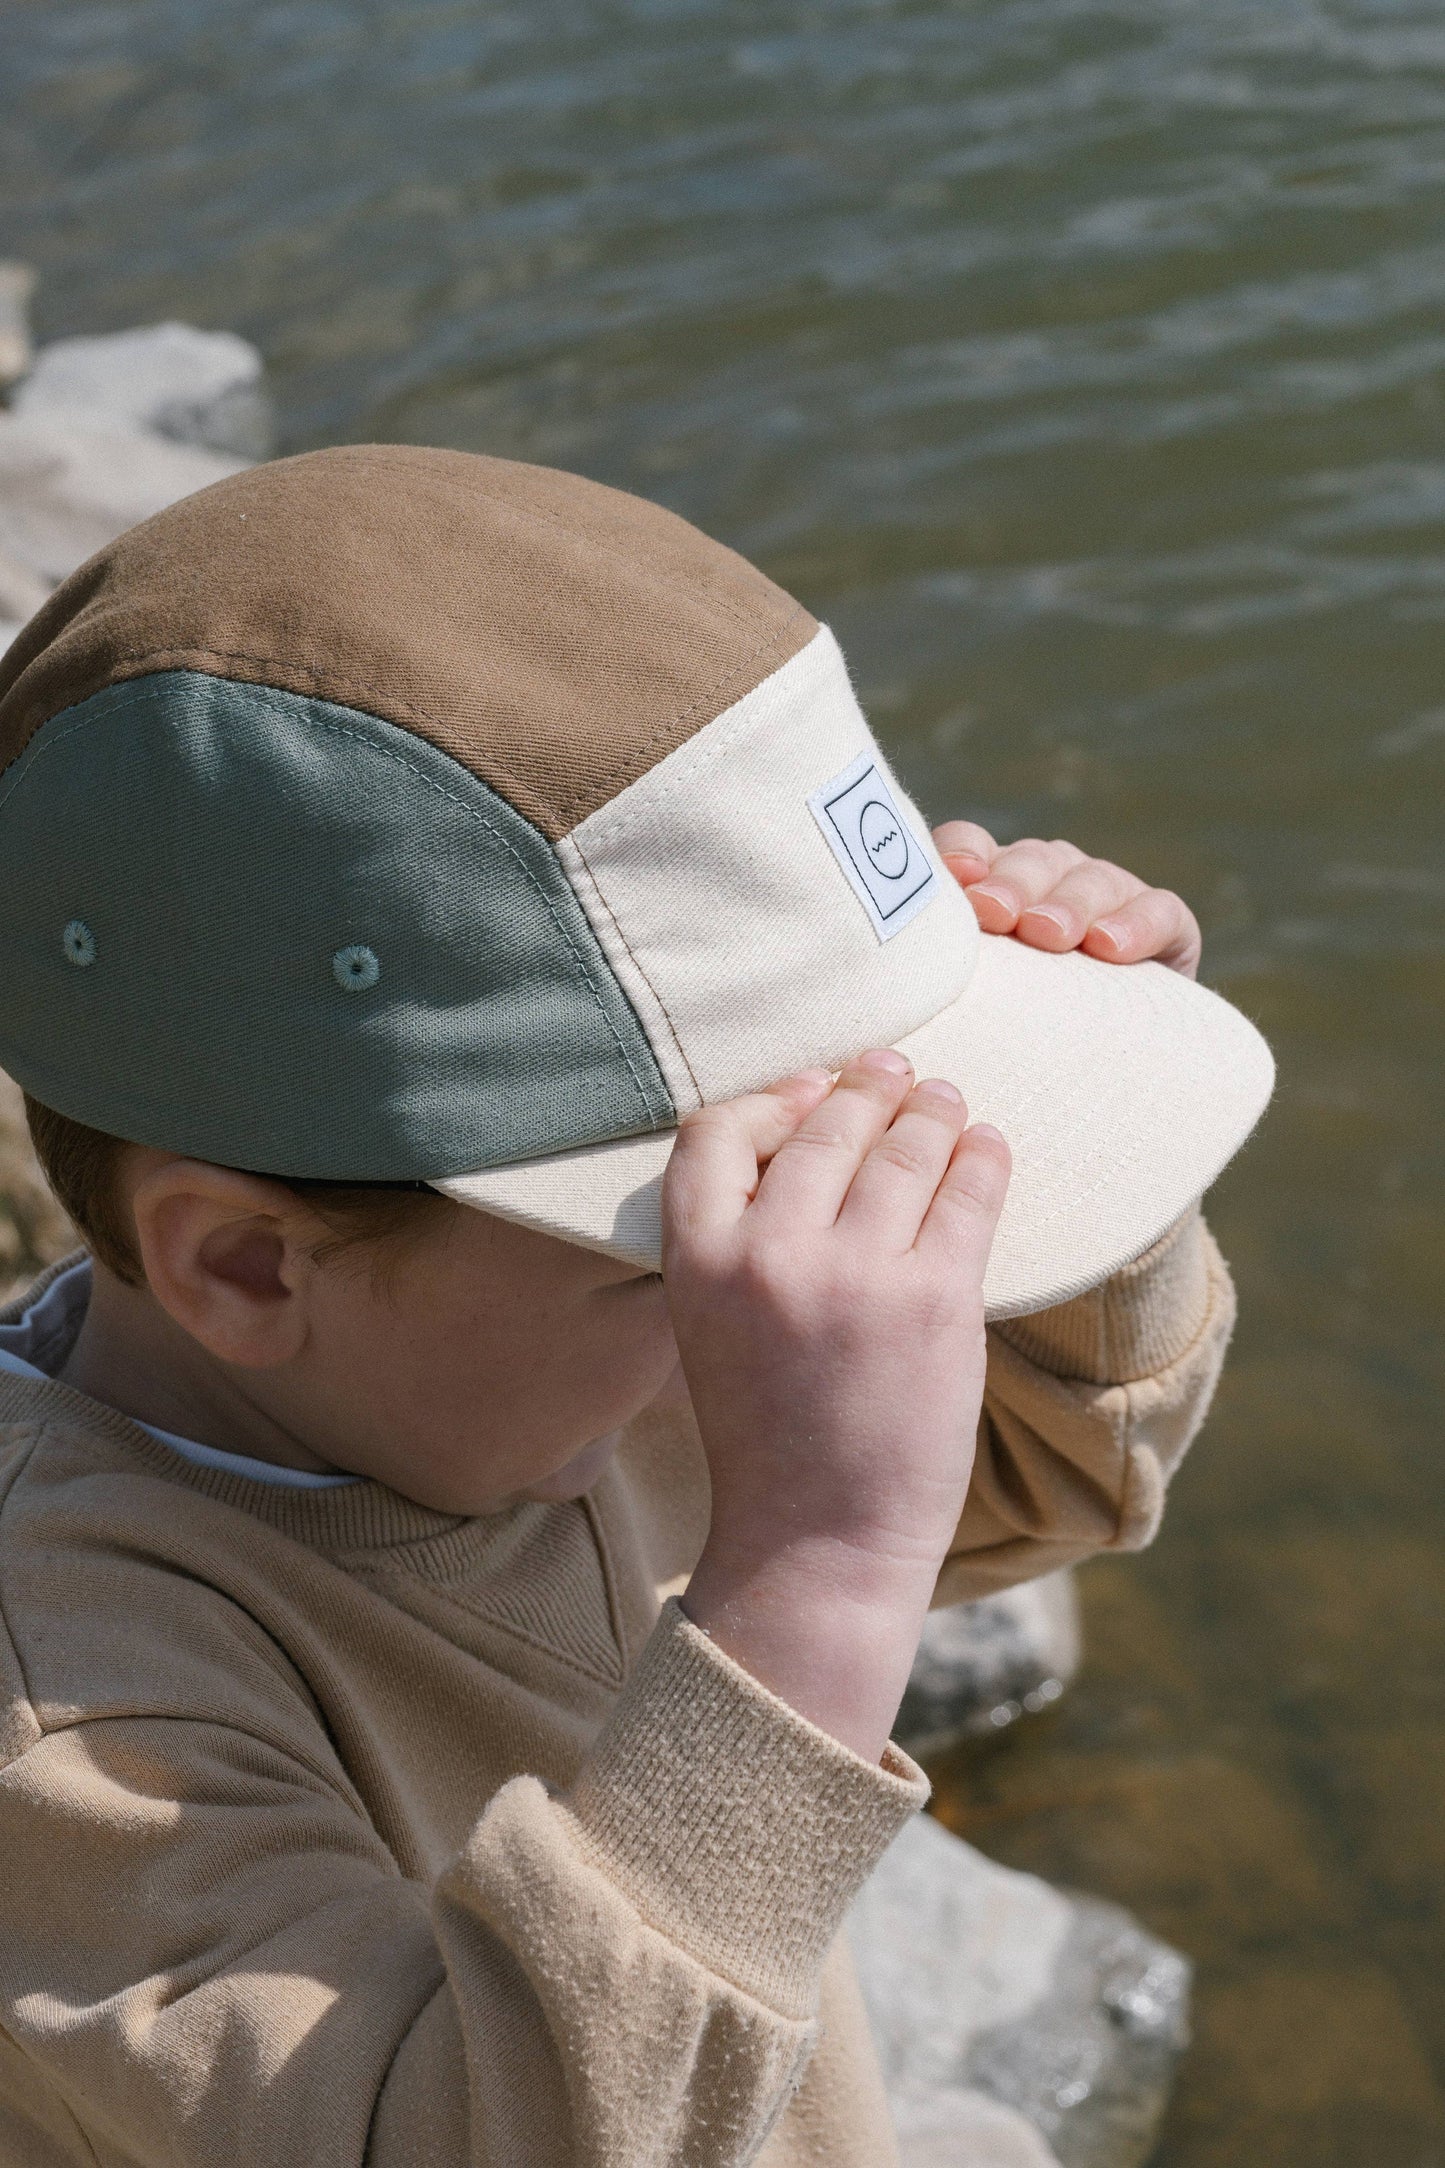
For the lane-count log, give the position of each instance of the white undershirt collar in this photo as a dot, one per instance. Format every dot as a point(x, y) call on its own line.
point(37, 1342)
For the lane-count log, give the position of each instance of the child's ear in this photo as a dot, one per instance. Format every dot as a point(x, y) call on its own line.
point(224, 1257)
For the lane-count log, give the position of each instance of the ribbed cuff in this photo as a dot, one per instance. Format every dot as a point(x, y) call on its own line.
point(1133, 1325)
point(737, 1828)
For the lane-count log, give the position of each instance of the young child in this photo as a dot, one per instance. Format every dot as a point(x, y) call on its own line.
point(467, 1518)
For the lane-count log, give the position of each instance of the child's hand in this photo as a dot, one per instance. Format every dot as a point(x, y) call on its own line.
point(1053, 897)
point(823, 1252)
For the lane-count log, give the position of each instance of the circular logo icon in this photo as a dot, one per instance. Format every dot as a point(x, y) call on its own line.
point(882, 836)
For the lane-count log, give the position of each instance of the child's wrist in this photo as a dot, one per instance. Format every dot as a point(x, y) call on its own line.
point(829, 1629)
point(850, 1567)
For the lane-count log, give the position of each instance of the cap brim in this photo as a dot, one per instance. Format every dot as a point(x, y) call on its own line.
point(1122, 1090)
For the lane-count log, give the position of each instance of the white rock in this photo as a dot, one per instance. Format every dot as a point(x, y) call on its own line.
point(17, 283)
point(959, 2124)
point(982, 1665)
point(21, 591)
point(1059, 2010)
point(68, 487)
point(987, 1939)
point(193, 387)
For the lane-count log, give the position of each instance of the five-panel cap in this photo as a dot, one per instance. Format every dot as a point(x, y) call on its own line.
point(390, 814)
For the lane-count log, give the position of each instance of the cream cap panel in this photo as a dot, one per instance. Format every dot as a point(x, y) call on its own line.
point(781, 965)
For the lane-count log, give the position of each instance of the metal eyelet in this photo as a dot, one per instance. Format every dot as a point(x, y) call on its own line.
point(356, 968)
point(78, 943)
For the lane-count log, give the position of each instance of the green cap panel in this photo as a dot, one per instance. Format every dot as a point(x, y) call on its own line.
point(284, 935)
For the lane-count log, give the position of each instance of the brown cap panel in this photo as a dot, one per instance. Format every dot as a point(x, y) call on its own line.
point(557, 637)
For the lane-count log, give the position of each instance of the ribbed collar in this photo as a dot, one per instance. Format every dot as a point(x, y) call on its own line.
point(359, 1516)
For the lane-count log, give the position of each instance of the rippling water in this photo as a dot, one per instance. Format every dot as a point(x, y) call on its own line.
point(1082, 365)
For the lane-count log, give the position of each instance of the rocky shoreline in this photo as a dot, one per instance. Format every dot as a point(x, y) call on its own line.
point(97, 433)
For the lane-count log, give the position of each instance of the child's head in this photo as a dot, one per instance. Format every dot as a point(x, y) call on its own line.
point(401, 819)
point(456, 1356)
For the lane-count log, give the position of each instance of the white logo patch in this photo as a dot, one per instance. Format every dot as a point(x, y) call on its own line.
point(887, 867)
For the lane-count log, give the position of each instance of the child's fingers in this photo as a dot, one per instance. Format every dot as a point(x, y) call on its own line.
point(966, 849)
point(712, 1175)
point(1087, 891)
point(1021, 875)
point(1055, 898)
point(809, 1175)
point(964, 1213)
point(895, 1184)
point(1154, 923)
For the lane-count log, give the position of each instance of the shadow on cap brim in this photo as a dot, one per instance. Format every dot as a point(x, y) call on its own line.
point(1123, 1090)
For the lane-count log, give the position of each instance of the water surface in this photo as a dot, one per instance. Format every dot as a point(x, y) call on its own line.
point(1084, 367)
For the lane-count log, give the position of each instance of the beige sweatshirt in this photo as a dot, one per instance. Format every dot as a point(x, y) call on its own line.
point(338, 1831)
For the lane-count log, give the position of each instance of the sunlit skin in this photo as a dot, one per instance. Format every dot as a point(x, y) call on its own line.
point(1053, 897)
point(483, 1363)
point(824, 1248)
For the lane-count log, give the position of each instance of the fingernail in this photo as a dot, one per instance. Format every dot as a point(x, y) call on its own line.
point(812, 1077)
point(986, 1129)
point(1054, 915)
point(938, 1087)
point(884, 1057)
point(996, 895)
point(1113, 934)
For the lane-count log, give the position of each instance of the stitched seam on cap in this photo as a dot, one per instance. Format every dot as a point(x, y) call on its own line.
point(674, 582)
point(351, 692)
point(609, 780)
point(616, 925)
point(340, 691)
point(706, 747)
point(340, 730)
